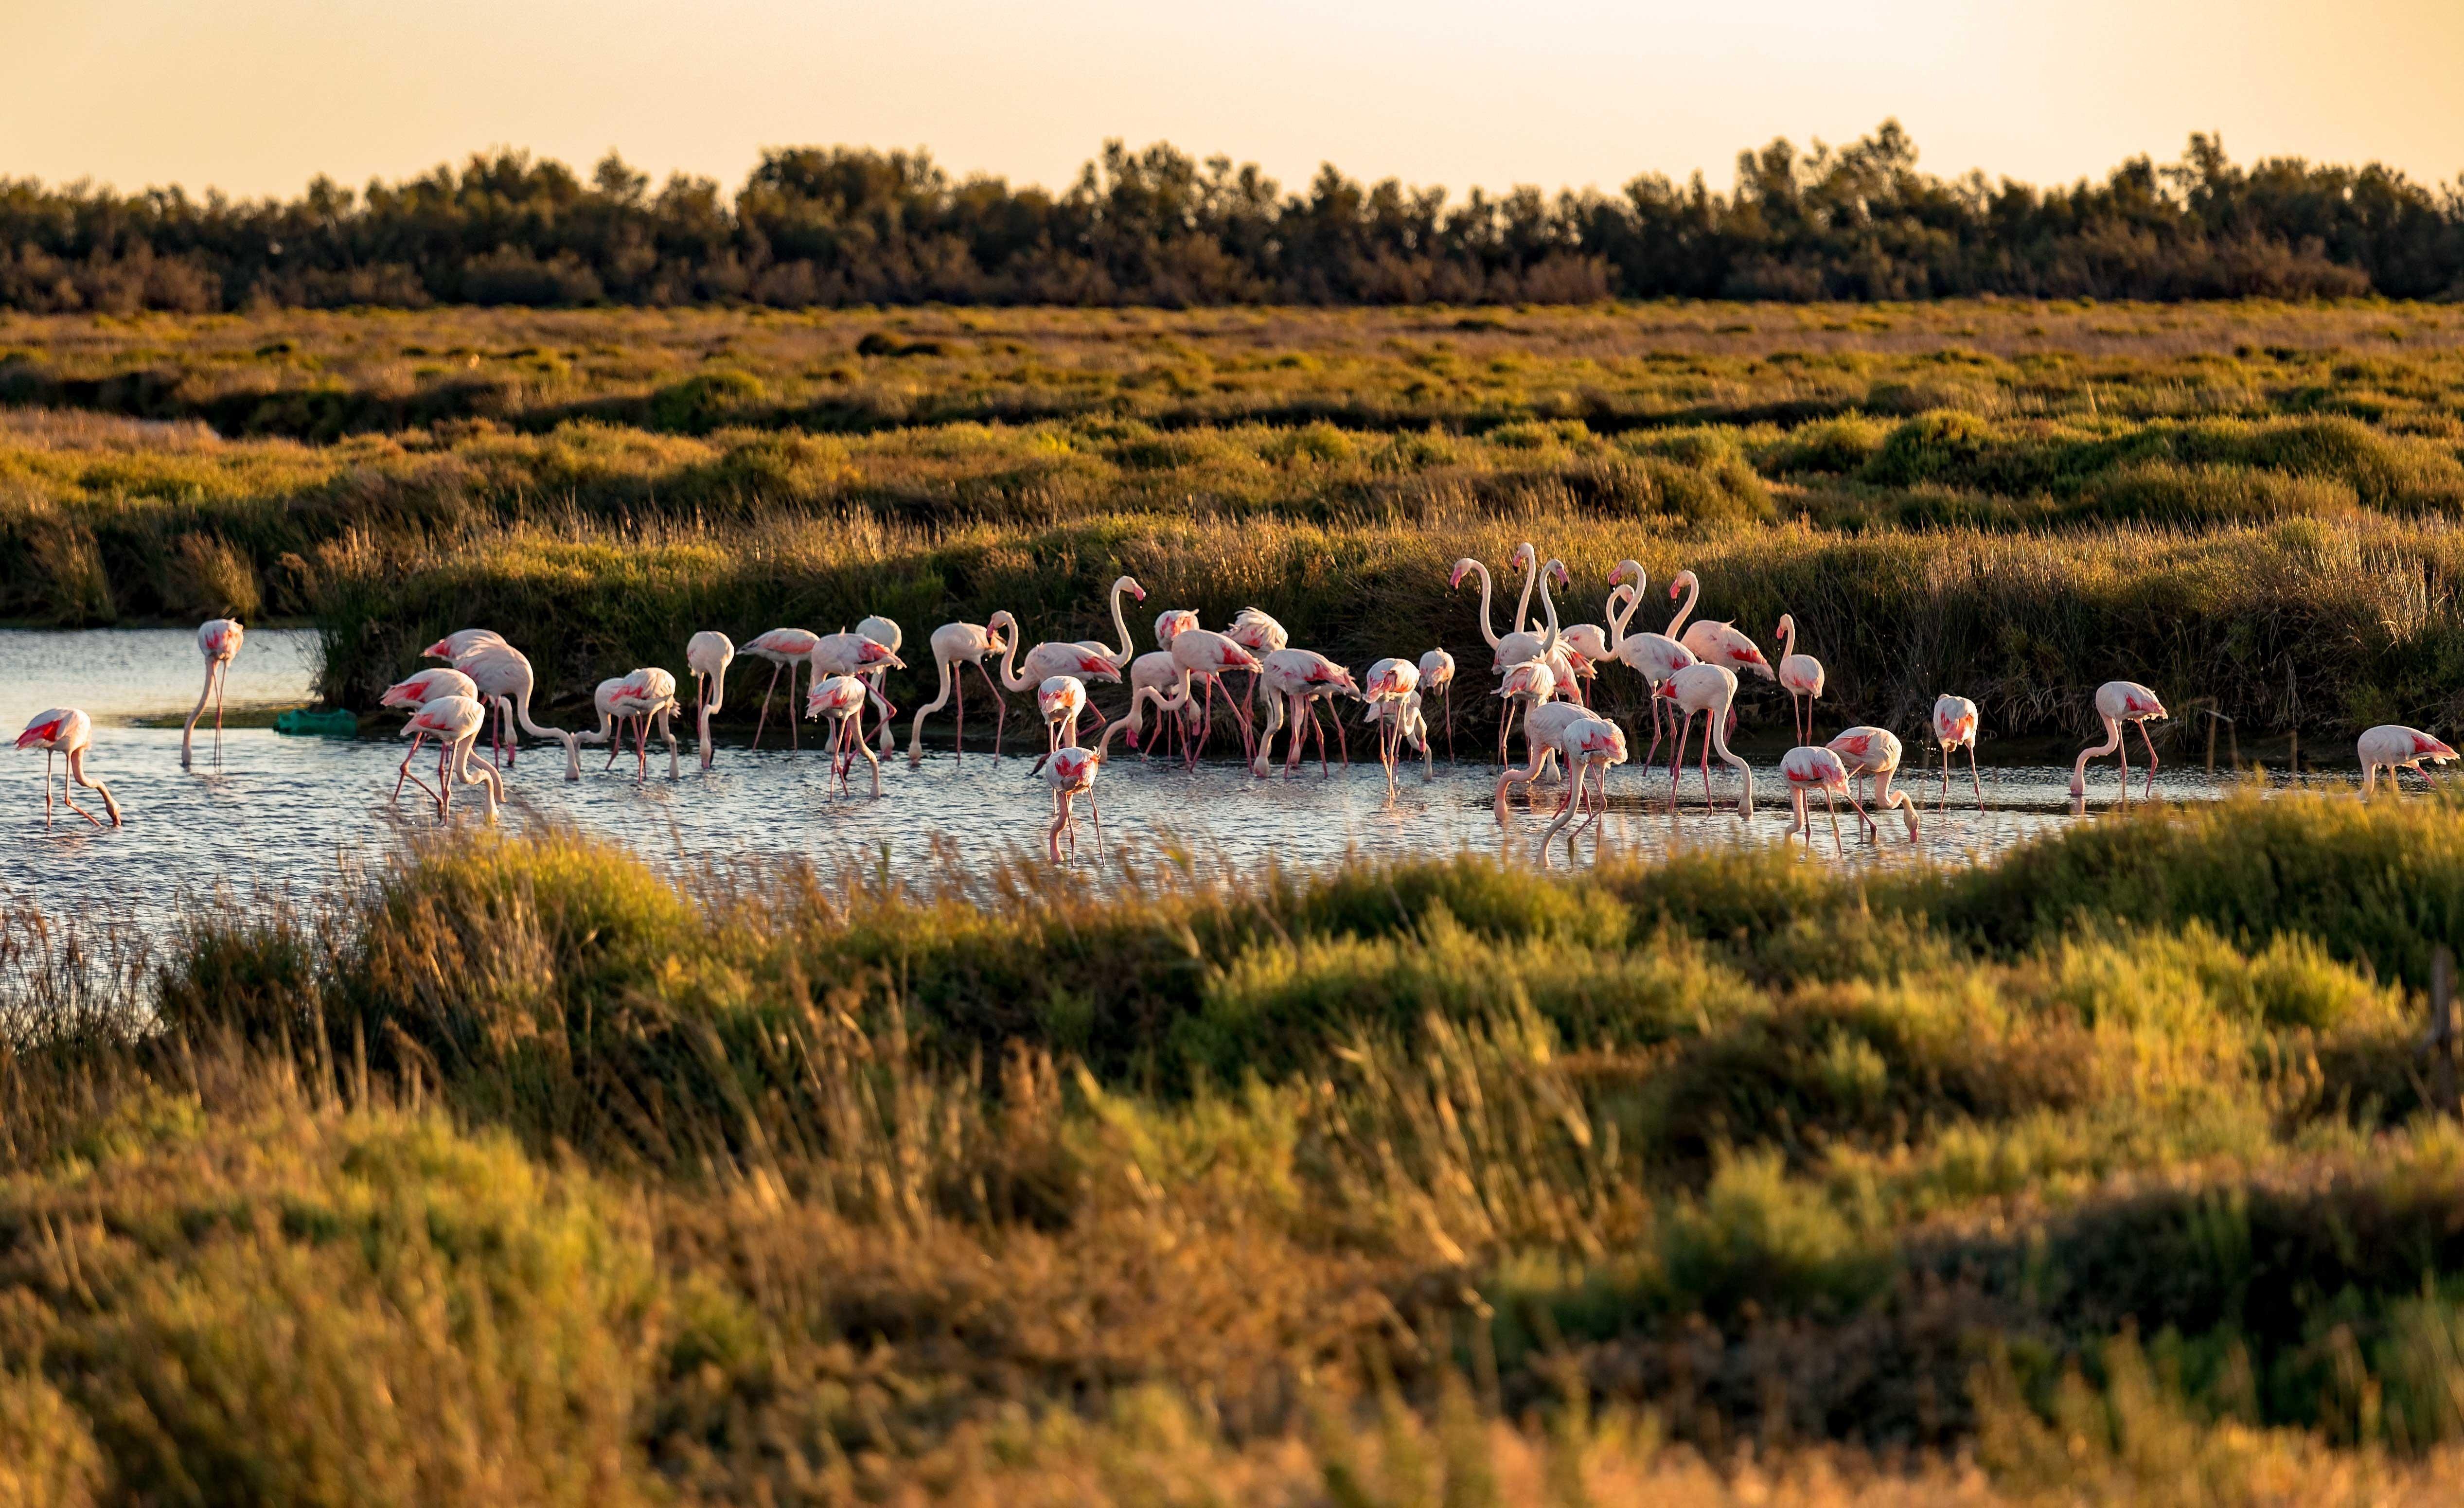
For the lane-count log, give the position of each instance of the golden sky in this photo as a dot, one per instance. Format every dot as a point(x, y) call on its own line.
point(255, 95)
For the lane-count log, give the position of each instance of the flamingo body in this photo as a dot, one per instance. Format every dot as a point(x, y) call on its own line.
point(2392, 747)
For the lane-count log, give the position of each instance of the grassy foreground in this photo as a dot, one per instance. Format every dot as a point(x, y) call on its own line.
point(524, 1174)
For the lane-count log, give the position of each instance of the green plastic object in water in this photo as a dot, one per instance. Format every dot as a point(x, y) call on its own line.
point(309, 721)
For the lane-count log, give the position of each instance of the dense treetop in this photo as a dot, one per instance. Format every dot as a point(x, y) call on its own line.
point(831, 226)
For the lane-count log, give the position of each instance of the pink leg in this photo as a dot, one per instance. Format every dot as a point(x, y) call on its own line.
point(1000, 707)
point(1971, 775)
point(2150, 745)
point(1450, 722)
point(763, 721)
point(400, 776)
point(1677, 754)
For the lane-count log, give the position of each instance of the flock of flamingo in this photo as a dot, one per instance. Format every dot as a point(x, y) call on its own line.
point(1543, 669)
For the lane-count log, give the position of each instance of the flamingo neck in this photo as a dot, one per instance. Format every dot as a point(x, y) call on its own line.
point(1121, 626)
point(1531, 576)
point(1693, 591)
point(1549, 605)
point(1616, 619)
point(1487, 630)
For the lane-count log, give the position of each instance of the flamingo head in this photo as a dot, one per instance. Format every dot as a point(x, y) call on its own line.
point(1129, 584)
point(441, 649)
point(1172, 623)
point(1557, 569)
point(993, 643)
point(1524, 555)
point(1462, 568)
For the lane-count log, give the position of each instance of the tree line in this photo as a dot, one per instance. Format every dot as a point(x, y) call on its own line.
point(835, 225)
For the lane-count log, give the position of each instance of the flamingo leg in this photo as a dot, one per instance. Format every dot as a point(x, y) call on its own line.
point(1000, 707)
point(1095, 814)
point(2150, 745)
point(1677, 754)
point(1833, 807)
point(2122, 751)
point(1971, 775)
point(403, 774)
point(1451, 721)
point(763, 721)
point(48, 753)
point(222, 670)
point(1943, 804)
point(1800, 822)
point(959, 686)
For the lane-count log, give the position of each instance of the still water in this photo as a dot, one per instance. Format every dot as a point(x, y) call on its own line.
point(265, 811)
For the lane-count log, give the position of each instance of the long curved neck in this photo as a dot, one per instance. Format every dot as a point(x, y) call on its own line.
point(1693, 590)
point(1009, 676)
point(1720, 746)
point(522, 714)
point(1531, 573)
point(1787, 637)
point(1487, 630)
point(1616, 619)
point(1549, 605)
point(1120, 626)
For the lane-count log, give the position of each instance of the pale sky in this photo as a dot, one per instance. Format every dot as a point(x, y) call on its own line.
point(256, 96)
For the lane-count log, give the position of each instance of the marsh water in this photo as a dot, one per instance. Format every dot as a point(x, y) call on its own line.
point(264, 810)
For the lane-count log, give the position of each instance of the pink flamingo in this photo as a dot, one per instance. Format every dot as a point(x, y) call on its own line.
point(1715, 643)
point(646, 696)
point(1391, 679)
point(454, 722)
point(1152, 677)
point(1807, 768)
point(1800, 675)
point(1297, 680)
point(882, 631)
point(2120, 702)
point(459, 643)
point(1204, 655)
point(1711, 690)
point(862, 655)
point(1438, 674)
point(1588, 743)
point(417, 691)
point(1654, 657)
point(2392, 747)
point(1502, 654)
point(1543, 727)
point(503, 676)
point(1253, 630)
point(785, 648)
point(707, 656)
point(1411, 728)
point(1954, 727)
point(1061, 700)
point(1046, 660)
point(1873, 754)
point(1070, 774)
point(955, 647)
point(1540, 652)
point(218, 639)
point(841, 698)
point(67, 730)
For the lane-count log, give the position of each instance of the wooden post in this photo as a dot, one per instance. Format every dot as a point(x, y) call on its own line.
point(2442, 1027)
point(2211, 743)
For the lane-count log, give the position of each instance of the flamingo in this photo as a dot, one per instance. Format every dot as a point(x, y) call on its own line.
point(459, 643)
point(1062, 701)
point(2388, 747)
point(2120, 702)
point(1873, 754)
point(785, 648)
point(1654, 657)
point(1118, 659)
point(1539, 651)
point(841, 698)
point(1542, 728)
point(861, 655)
point(218, 639)
point(1807, 768)
point(1205, 655)
point(882, 631)
point(1524, 643)
point(1152, 677)
point(1048, 659)
point(1255, 630)
point(1497, 643)
point(503, 676)
point(1298, 680)
point(1410, 728)
point(1800, 675)
point(67, 730)
point(1393, 680)
point(706, 655)
point(646, 695)
point(1438, 674)
point(1710, 689)
point(1714, 644)
point(1954, 727)
point(1589, 744)
point(454, 722)
point(610, 730)
point(417, 691)
point(1531, 684)
point(956, 646)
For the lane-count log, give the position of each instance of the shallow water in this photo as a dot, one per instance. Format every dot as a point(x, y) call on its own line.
point(267, 810)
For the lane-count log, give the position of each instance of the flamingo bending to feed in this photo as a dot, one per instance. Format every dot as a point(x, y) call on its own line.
point(862, 655)
point(1715, 643)
point(2120, 702)
point(1536, 652)
point(1153, 675)
point(883, 631)
point(1204, 655)
point(707, 656)
point(1410, 728)
point(417, 691)
point(1543, 727)
point(1438, 674)
point(1297, 680)
point(504, 677)
point(1496, 642)
point(461, 641)
point(1800, 675)
point(2392, 747)
point(841, 699)
point(1395, 681)
point(647, 695)
point(218, 639)
point(1588, 743)
point(1253, 630)
point(1954, 727)
point(1873, 754)
point(454, 722)
point(1062, 701)
point(1807, 768)
point(785, 648)
point(67, 730)
point(1532, 685)
point(956, 646)
point(1711, 690)
point(1070, 774)
point(1654, 657)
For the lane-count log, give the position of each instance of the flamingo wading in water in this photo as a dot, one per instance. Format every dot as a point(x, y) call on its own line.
point(218, 639)
point(1800, 677)
point(1588, 743)
point(1873, 754)
point(415, 691)
point(67, 730)
point(785, 648)
point(2392, 747)
point(2120, 702)
point(706, 655)
point(1710, 689)
point(454, 722)
point(956, 646)
point(1807, 768)
point(1954, 727)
